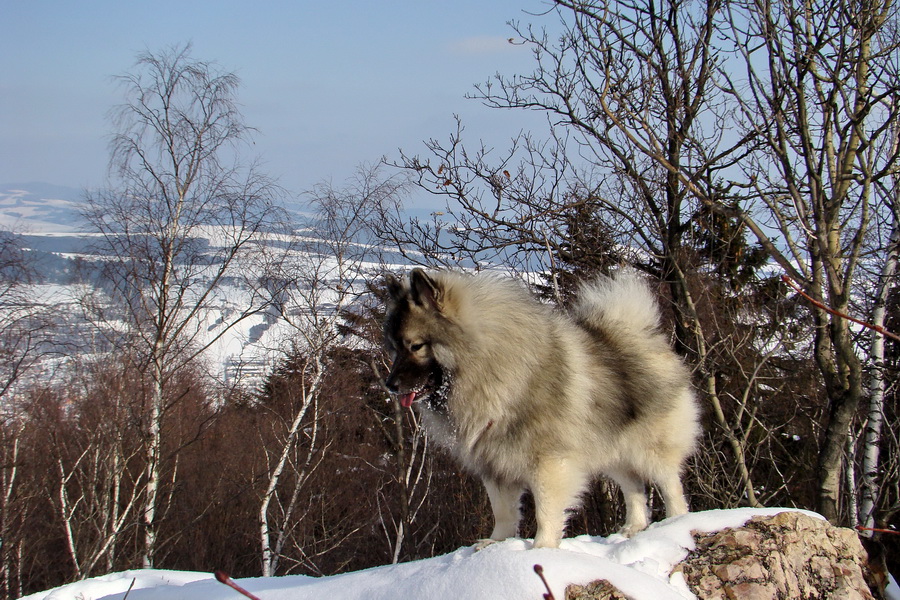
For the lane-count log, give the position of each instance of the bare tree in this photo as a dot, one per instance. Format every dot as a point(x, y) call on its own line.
point(12, 509)
point(184, 215)
point(98, 467)
point(413, 473)
point(817, 88)
point(501, 206)
point(324, 278)
point(26, 322)
point(637, 135)
point(27, 339)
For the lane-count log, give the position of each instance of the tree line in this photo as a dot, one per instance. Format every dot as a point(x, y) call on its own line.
point(742, 155)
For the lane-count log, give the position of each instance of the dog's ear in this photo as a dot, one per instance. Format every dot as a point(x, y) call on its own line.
point(424, 290)
point(393, 286)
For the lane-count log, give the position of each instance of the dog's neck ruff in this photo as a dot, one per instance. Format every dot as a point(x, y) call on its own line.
point(438, 399)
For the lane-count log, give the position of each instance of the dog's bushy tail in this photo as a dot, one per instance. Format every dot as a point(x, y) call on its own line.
point(622, 301)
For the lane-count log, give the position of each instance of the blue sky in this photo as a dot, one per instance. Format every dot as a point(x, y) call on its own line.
point(328, 84)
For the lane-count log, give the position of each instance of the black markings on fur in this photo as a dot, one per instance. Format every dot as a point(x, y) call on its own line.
point(424, 291)
point(443, 383)
point(394, 323)
point(394, 286)
point(627, 371)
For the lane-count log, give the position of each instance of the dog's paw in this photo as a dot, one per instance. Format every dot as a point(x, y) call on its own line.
point(630, 530)
point(483, 543)
point(548, 542)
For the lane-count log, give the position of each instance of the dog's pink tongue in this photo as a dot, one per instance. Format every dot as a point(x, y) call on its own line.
point(406, 400)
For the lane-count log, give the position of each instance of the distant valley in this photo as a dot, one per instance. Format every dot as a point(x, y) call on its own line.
point(40, 208)
point(47, 218)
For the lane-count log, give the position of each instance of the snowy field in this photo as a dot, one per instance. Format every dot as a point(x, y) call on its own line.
point(641, 567)
point(238, 351)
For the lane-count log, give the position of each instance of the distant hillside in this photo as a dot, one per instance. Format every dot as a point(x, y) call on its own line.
point(40, 208)
point(64, 257)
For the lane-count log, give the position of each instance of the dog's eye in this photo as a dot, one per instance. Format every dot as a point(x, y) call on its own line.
point(416, 347)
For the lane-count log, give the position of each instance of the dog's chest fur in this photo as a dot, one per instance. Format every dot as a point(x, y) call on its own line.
point(485, 444)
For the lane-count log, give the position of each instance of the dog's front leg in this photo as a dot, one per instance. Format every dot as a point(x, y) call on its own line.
point(505, 503)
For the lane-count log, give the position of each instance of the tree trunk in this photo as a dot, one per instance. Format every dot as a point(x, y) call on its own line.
point(154, 452)
point(268, 554)
point(845, 391)
point(877, 387)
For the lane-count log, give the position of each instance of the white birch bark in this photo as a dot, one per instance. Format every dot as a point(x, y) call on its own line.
point(877, 387)
point(269, 557)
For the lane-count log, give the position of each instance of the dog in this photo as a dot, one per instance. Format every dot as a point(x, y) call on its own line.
point(529, 397)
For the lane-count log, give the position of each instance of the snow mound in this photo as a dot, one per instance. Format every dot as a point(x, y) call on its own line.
point(640, 567)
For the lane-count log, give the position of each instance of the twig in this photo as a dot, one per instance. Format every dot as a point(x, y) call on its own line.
point(838, 313)
point(222, 577)
point(876, 530)
point(128, 591)
point(540, 573)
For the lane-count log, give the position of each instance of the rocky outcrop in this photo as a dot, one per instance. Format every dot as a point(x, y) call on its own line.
point(790, 555)
point(595, 590)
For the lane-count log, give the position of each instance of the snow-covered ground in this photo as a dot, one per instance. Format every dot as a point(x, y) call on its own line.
point(640, 566)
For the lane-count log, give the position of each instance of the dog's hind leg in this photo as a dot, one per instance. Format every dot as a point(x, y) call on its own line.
point(556, 488)
point(633, 489)
point(505, 502)
point(672, 492)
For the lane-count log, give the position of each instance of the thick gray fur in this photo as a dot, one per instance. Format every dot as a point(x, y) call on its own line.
point(541, 399)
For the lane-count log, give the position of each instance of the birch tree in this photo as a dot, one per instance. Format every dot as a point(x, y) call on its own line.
point(413, 477)
point(879, 381)
point(98, 469)
point(183, 214)
point(27, 337)
point(13, 510)
point(877, 387)
point(817, 89)
point(323, 279)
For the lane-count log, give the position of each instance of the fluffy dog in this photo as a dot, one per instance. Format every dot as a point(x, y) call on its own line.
point(528, 397)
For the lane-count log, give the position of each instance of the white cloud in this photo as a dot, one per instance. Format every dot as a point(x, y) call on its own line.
point(480, 45)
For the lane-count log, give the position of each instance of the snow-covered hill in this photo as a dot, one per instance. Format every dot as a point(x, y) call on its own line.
point(641, 567)
point(48, 220)
point(40, 208)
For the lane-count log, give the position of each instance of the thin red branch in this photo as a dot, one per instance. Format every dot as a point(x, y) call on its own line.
point(222, 577)
point(540, 573)
point(877, 530)
point(838, 313)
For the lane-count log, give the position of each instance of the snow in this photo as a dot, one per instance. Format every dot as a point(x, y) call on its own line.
point(640, 566)
point(41, 209)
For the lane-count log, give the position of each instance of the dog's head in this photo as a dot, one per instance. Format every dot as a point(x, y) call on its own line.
point(416, 332)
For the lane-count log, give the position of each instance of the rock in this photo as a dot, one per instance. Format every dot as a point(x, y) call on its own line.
point(789, 556)
point(595, 590)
